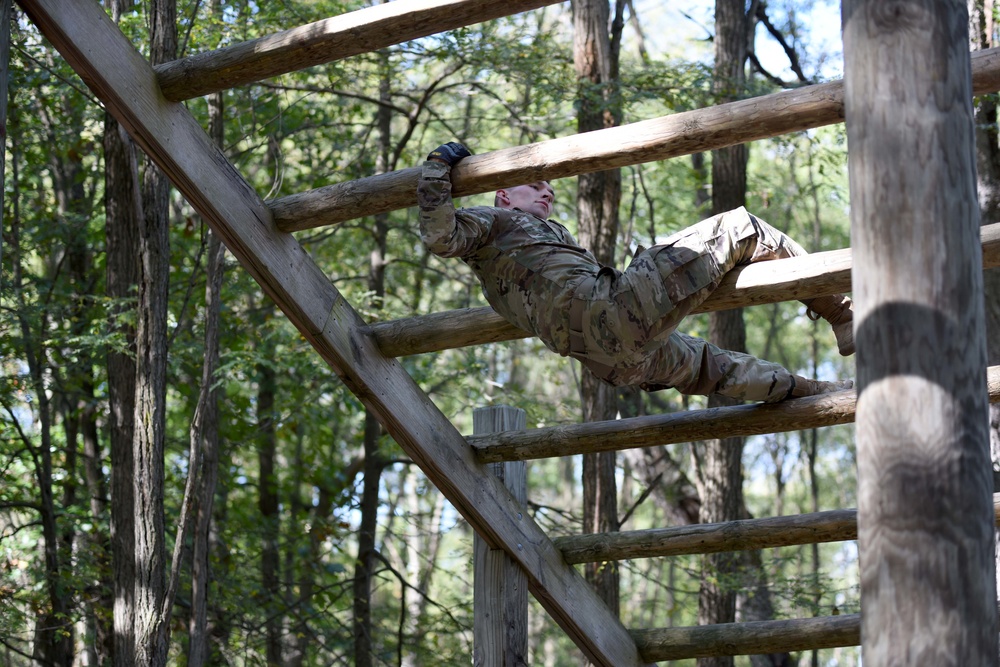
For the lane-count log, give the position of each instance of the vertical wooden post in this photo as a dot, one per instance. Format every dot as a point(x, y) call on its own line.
point(924, 476)
point(500, 595)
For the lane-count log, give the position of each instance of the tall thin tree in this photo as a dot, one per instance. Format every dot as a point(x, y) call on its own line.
point(720, 472)
point(151, 379)
point(374, 461)
point(204, 426)
point(123, 213)
point(596, 46)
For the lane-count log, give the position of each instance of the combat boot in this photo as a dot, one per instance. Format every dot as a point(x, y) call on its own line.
point(838, 310)
point(803, 386)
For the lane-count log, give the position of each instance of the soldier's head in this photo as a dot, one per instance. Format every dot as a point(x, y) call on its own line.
point(535, 198)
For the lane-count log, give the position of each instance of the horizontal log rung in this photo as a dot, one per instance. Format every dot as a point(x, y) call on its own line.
point(363, 31)
point(705, 538)
point(652, 140)
point(750, 638)
point(676, 427)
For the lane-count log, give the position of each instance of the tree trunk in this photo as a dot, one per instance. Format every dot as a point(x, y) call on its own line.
point(721, 474)
point(78, 407)
point(123, 212)
point(74, 372)
point(267, 500)
point(365, 566)
point(50, 646)
point(307, 584)
point(53, 644)
point(925, 519)
point(204, 428)
point(151, 379)
point(595, 55)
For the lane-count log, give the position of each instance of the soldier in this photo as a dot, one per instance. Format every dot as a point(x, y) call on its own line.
point(619, 324)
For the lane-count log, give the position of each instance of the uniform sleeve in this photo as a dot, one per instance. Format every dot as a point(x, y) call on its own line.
point(446, 231)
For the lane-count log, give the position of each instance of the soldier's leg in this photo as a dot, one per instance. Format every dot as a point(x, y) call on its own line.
point(695, 366)
point(685, 270)
point(712, 370)
point(836, 309)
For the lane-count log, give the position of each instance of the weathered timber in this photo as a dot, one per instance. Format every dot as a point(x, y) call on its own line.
point(706, 538)
point(925, 524)
point(752, 638)
point(738, 420)
point(646, 141)
point(123, 80)
point(780, 280)
point(764, 533)
point(445, 330)
point(362, 31)
point(500, 593)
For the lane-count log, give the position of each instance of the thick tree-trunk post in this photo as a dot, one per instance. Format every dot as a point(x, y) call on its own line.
point(988, 170)
point(500, 592)
point(924, 477)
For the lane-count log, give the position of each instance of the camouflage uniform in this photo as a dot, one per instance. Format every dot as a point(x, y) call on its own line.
point(619, 324)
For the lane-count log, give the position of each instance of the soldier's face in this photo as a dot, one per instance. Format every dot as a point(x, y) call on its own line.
point(535, 198)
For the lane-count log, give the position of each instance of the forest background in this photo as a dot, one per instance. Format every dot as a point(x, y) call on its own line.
point(291, 530)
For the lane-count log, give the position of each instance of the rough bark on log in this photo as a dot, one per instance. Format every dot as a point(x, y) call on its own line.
point(362, 31)
point(764, 533)
point(748, 638)
point(757, 419)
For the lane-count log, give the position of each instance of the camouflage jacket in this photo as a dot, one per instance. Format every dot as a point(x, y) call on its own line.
point(527, 267)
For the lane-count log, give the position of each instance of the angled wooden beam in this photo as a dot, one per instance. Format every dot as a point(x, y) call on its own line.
point(724, 422)
point(646, 141)
point(123, 80)
point(767, 282)
point(361, 31)
point(751, 638)
point(704, 538)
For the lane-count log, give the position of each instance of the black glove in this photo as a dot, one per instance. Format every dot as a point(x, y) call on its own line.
point(451, 152)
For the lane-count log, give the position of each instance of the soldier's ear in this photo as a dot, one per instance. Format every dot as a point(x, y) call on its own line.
point(501, 198)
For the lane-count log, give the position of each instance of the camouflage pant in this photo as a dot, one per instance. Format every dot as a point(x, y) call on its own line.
point(622, 323)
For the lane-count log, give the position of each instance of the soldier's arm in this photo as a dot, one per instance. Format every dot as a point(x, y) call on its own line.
point(446, 231)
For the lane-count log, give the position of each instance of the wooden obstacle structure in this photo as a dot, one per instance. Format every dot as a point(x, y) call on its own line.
point(146, 101)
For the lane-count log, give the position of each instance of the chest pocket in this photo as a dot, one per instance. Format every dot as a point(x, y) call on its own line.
point(538, 231)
